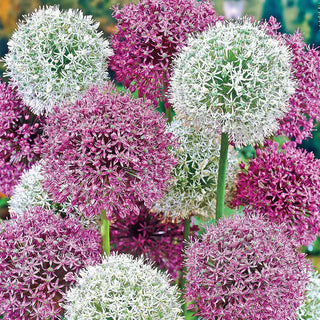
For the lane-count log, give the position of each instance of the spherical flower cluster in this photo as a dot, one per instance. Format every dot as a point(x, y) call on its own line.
point(243, 268)
point(149, 34)
point(284, 185)
point(122, 288)
point(29, 193)
point(20, 138)
point(150, 235)
point(195, 176)
point(304, 109)
point(107, 152)
point(310, 310)
point(39, 258)
point(55, 55)
point(233, 78)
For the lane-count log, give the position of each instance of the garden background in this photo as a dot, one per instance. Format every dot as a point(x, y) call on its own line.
point(292, 14)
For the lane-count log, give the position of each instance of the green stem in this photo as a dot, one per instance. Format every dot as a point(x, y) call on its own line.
point(186, 233)
point(222, 175)
point(105, 233)
point(169, 114)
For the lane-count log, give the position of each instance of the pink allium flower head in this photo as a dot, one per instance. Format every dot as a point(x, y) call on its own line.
point(20, 141)
point(39, 255)
point(107, 151)
point(304, 110)
point(284, 185)
point(150, 235)
point(149, 34)
point(245, 268)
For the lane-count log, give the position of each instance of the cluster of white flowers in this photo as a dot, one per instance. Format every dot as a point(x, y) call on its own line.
point(196, 174)
point(122, 288)
point(310, 310)
point(233, 78)
point(56, 55)
point(29, 193)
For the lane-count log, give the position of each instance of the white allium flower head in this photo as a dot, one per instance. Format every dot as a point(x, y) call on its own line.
point(233, 78)
point(122, 288)
point(310, 310)
point(30, 193)
point(195, 176)
point(56, 55)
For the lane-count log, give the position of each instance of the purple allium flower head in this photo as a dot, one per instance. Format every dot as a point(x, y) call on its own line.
point(245, 268)
point(20, 141)
point(284, 185)
point(107, 152)
point(40, 255)
point(149, 34)
point(304, 111)
point(151, 235)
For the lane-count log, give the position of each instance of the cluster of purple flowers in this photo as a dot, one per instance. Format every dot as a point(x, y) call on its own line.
point(107, 151)
point(149, 35)
point(284, 186)
point(39, 258)
point(150, 234)
point(20, 138)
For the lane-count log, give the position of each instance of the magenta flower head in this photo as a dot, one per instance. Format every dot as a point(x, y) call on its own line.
point(149, 34)
point(40, 256)
point(151, 235)
point(245, 268)
point(283, 185)
point(304, 111)
point(20, 141)
point(106, 152)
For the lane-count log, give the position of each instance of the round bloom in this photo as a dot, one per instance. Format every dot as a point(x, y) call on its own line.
point(149, 34)
point(20, 138)
point(30, 193)
point(150, 235)
point(107, 152)
point(304, 111)
point(55, 55)
point(283, 185)
point(311, 307)
point(122, 288)
point(243, 268)
point(39, 258)
point(233, 78)
point(195, 176)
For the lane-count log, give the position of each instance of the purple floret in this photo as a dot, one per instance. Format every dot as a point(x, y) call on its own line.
point(107, 152)
point(149, 34)
point(39, 258)
point(245, 268)
point(284, 186)
point(20, 138)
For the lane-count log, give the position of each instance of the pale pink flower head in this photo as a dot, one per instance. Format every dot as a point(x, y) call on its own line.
point(107, 152)
point(40, 256)
point(304, 111)
point(152, 235)
point(245, 268)
point(149, 34)
point(20, 138)
point(283, 185)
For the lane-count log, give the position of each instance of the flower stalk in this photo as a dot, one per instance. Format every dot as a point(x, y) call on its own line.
point(105, 233)
point(222, 174)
